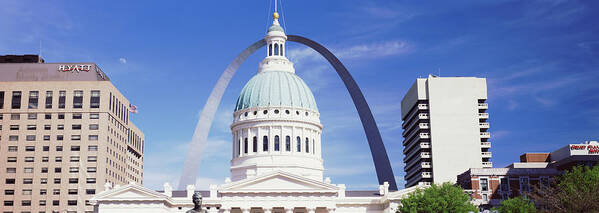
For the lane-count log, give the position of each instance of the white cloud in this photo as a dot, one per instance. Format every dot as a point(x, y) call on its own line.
point(359, 51)
point(123, 60)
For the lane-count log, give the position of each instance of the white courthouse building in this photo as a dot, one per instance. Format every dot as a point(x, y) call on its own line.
point(276, 162)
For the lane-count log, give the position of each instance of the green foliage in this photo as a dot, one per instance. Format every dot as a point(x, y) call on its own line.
point(438, 198)
point(576, 190)
point(517, 205)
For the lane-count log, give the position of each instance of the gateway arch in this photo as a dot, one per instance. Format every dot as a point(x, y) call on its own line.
point(382, 165)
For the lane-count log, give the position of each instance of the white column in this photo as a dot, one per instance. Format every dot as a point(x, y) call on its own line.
point(311, 210)
point(331, 210)
point(289, 210)
point(226, 210)
point(266, 210)
point(246, 210)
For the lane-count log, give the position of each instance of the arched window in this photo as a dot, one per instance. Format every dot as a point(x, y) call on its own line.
point(276, 143)
point(276, 49)
point(299, 144)
point(245, 145)
point(270, 50)
point(307, 145)
point(265, 143)
point(255, 144)
point(288, 143)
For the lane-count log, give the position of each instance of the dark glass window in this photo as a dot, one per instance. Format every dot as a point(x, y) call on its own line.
point(505, 185)
point(307, 145)
point(90, 191)
point(9, 203)
point(10, 181)
point(9, 192)
point(95, 99)
point(276, 143)
point(484, 184)
point(16, 100)
point(299, 144)
point(270, 50)
point(239, 148)
point(265, 143)
point(78, 99)
point(73, 180)
point(62, 96)
point(245, 145)
point(90, 180)
point(77, 116)
point(72, 202)
point(58, 148)
point(287, 143)
point(47, 116)
point(48, 99)
point(33, 99)
point(1, 99)
point(75, 148)
point(276, 49)
point(76, 127)
point(255, 144)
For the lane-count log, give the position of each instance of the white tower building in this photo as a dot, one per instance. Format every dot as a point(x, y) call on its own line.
point(276, 122)
point(445, 129)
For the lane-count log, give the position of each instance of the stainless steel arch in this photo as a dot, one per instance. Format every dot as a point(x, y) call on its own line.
point(377, 148)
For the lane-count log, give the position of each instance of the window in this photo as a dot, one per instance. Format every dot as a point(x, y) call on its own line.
point(27, 191)
point(13, 138)
point(32, 116)
point(74, 158)
point(276, 49)
point(484, 184)
point(504, 184)
point(10, 181)
point(72, 202)
point(277, 143)
point(92, 158)
point(90, 180)
point(16, 100)
point(58, 148)
point(76, 127)
point(524, 187)
point(75, 148)
point(44, 181)
point(28, 170)
point(44, 169)
point(265, 143)
point(78, 99)
point(62, 95)
point(44, 159)
point(46, 148)
point(9, 192)
point(74, 170)
point(58, 159)
point(485, 197)
point(59, 137)
point(1, 99)
point(61, 116)
point(48, 99)
point(42, 202)
point(75, 137)
point(287, 143)
point(29, 159)
point(47, 127)
point(11, 159)
point(93, 127)
point(57, 170)
point(91, 169)
point(28, 181)
point(90, 191)
point(245, 145)
point(11, 170)
point(14, 127)
point(30, 138)
point(47, 116)
point(30, 148)
point(307, 145)
point(9, 203)
point(57, 181)
point(31, 127)
point(12, 148)
point(92, 148)
point(270, 50)
point(33, 97)
point(93, 137)
point(55, 202)
point(255, 144)
point(15, 116)
point(76, 115)
point(95, 99)
point(299, 144)
point(46, 137)
point(72, 191)
point(73, 180)
point(94, 116)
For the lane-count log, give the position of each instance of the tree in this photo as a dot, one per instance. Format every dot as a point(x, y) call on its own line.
point(438, 198)
point(576, 190)
point(517, 205)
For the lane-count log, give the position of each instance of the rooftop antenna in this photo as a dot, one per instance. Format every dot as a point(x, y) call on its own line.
point(39, 57)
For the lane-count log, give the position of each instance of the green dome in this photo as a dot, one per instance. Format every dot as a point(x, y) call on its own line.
point(275, 28)
point(276, 88)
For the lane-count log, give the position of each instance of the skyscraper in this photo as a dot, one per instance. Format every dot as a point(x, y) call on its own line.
point(65, 133)
point(445, 128)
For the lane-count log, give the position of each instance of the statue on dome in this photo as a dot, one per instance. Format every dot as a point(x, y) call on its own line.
point(197, 203)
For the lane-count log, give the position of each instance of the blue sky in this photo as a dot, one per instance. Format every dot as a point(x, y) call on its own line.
point(540, 59)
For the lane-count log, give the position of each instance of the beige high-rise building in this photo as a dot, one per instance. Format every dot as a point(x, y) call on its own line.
point(65, 133)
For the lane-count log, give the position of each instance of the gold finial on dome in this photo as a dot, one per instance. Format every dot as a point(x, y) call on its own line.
point(275, 15)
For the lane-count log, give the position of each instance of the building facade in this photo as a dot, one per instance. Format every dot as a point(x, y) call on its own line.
point(445, 129)
point(65, 133)
point(489, 186)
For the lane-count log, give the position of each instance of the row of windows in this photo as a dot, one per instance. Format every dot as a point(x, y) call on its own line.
point(47, 148)
point(42, 203)
point(118, 108)
point(276, 47)
point(94, 101)
point(277, 145)
point(276, 111)
point(56, 180)
point(57, 159)
point(47, 137)
point(49, 127)
point(48, 116)
point(54, 191)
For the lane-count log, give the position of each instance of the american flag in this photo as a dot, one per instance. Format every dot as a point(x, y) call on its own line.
point(132, 108)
